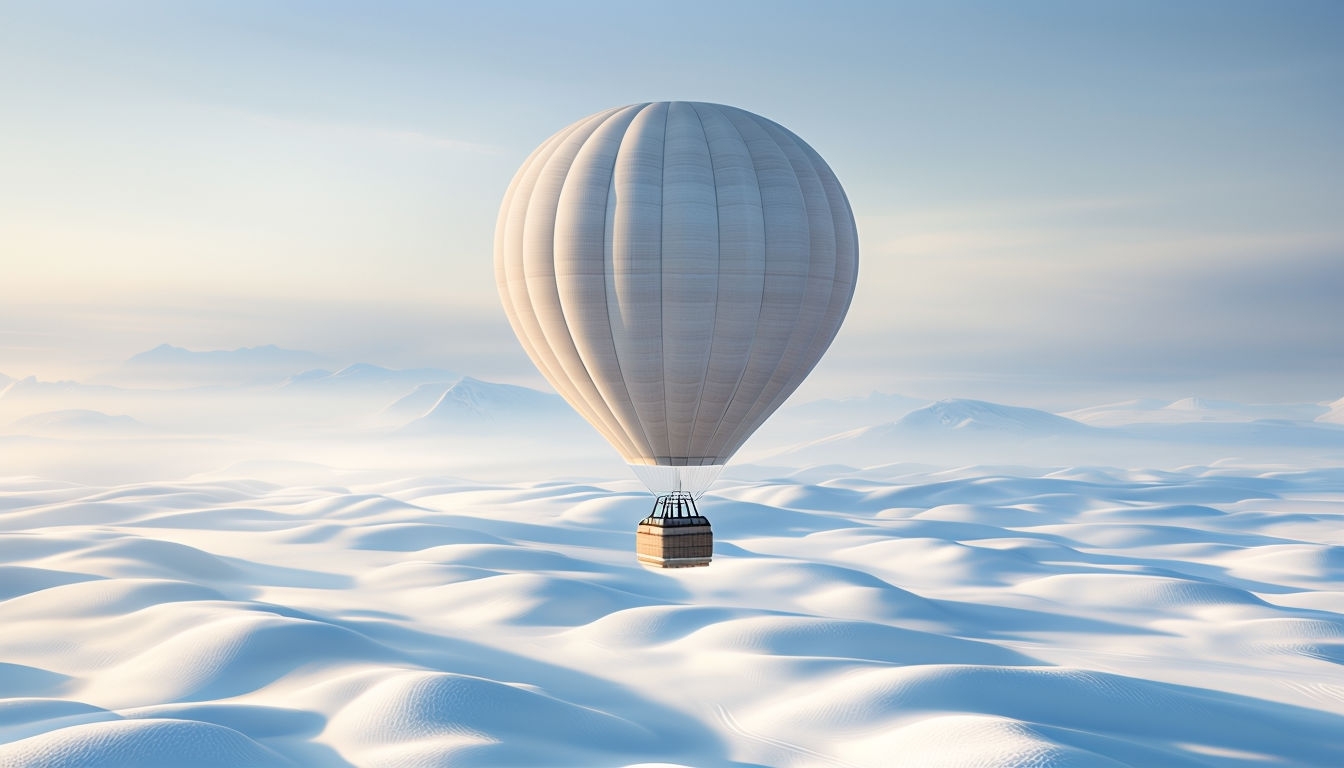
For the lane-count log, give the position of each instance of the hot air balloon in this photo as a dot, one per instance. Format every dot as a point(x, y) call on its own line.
point(675, 270)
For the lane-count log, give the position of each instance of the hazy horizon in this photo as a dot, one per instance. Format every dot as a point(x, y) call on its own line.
point(1058, 204)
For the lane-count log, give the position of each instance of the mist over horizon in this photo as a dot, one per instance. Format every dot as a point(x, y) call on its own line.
point(1043, 376)
point(171, 412)
point(281, 488)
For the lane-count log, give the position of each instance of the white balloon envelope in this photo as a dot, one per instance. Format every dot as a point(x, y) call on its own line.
point(675, 270)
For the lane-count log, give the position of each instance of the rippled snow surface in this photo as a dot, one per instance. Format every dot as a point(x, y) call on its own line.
point(974, 617)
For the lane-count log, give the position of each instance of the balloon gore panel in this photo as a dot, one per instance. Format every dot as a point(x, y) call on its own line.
point(675, 270)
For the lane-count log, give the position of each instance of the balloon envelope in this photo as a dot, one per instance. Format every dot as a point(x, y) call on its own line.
point(675, 270)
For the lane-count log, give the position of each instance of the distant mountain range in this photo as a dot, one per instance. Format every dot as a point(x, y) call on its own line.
point(289, 370)
point(31, 387)
point(417, 403)
point(270, 390)
point(1192, 409)
point(366, 378)
point(816, 419)
point(850, 412)
point(267, 354)
point(946, 424)
point(973, 431)
point(978, 416)
point(167, 366)
point(471, 405)
point(77, 421)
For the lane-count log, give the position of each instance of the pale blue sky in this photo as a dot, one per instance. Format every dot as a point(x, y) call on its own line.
point(1058, 202)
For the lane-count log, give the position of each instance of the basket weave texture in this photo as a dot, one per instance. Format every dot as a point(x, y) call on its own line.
point(679, 542)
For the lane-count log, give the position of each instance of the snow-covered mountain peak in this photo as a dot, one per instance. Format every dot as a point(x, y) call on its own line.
point(978, 415)
point(486, 398)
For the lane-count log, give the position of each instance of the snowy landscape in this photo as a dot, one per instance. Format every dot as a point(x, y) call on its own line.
point(231, 559)
point(330, 333)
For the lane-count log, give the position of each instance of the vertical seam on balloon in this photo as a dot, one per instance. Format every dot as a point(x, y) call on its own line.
point(542, 156)
point(853, 228)
point(613, 410)
point(765, 257)
point(820, 165)
point(839, 207)
point(736, 434)
point(662, 285)
point(608, 261)
point(781, 135)
point(718, 282)
point(608, 423)
point(611, 423)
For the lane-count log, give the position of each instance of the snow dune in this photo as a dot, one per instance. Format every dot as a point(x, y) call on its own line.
point(879, 617)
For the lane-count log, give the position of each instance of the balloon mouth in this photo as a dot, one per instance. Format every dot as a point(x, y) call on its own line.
point(663, 479)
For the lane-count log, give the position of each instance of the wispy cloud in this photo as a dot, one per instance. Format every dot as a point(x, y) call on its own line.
point(361, 132)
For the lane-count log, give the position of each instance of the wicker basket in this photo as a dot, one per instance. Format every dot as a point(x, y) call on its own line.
point(675, 535)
